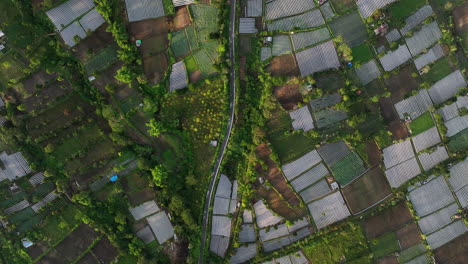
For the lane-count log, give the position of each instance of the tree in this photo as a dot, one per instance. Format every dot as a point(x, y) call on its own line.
point(125, 75)
point(21, 107)
point(49, 148)
point(155, 128)
point(159, 175)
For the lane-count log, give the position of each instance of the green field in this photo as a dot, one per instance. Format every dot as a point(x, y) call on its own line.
point(57, 226)
point(179, 43)
point(347, 243)
point(190, 64)
point(348, 168)
point(385, 245)
point(439, 70)
point(361, 53)
point(383, 139)
point(102, 60)
point(10, 67)
point(402, 9)
point(211, 48)
point(421, 124)
point(459, 142)
point(204, 63)
point(411, 253)
point(22, 216)
point(83, 139)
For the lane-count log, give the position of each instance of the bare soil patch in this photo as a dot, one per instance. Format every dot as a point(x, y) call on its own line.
point(388, 260)
point(284, 65)
point(177, 251)
point(76, 242)
point(330, 82)
point(149, 28)
point(107, 77)
point(402, 83)
point(153, 45)
point(181, 19)
point(367, 190)
point(245, 46)
point(96, 42)
point(140, 197)
point(275, 176)
point(37, 80)
point(48, 94)
point(242, 66)
point(390, 220)
point(373, 153)
point(195, 76)
point(53, 257)
point(280, 206)
point(155, 67)
point(288, 96)
point(105, 251)
point(36, 250)
point(460, 18)
point(398, 129)
point(408, 236)
point(454, 252)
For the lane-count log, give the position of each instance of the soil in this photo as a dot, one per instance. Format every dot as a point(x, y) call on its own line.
point(330, 82)
point(460, 18)
point(195, 76)
point(88, 259)
point(454, 252)
point(181, 19)
point(367, 190)
point(177, 251)
point(154, 45)
point(140, 197)
point(76, 242)
point(279, 205)
point(96, 42)
point(245, 46)
point(149, 28)
point(402, 83)
point(39, 78)
point(47, 94)
point(53, 257)
point(104, 251)
point(36, 250)
point(284, 65)
point(399, 130)
point(390, 220)
point(288, 96)
point(155, 67)
point(275, 176)
point(408, 236)
point(107, 77)
point(388, 260)
point(242, 66)
point(373, 153)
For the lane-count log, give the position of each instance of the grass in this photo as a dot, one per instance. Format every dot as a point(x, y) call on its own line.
point(385, 245)
point(439, 70)
point(82, 139)
point(342, 6)
point(459, 142)
point(361, 53)
point(348, 168)
point(411, 253)
point(102, 60)
point(402, 9)
point(383, 139)
point(348, 243)
point(168, 7)
point(130, 102)
point(288, 146)
point(190, 64)
point(204, 63)
point(10, 67)
point(211, 48)
point(57, 227)
point(421, 124)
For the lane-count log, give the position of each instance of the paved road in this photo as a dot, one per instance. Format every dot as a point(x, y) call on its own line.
point(232, 97)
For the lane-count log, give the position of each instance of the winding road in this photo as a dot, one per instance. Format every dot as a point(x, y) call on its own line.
point(232, 105)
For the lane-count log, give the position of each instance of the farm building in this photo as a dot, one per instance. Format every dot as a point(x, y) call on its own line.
point(301, 119)
point(351, 27)
point(318, 58)
point(329, 117)
point(295, 258)
point(309, 177)
point(416, 18)
point(368, 7)
point(414, 106)
point(281, 45)
point(157, 220)
point(434, 204)
point(325, 101)
point(426, 139)
point(75, 18)
point(447, 87)
point(329, 210)
point(178, 78)
point(15, 166)
point(448, 112)
point(265, 216)
point(431, 56)
point(424, 38)
point(456, 125)
point(282, 235)
point(299, 166)
point(37, 179)
point(309, 38)
point(393, 35)
point(265, 53)
point(225, 202)
point(283, 8)
point(244, 253)
point(368, 72)
point(397, 153)
point(178, 3)
point(46, 200)
point(430, 160)
point(327, 11)
point(247, 26)
point(402, 172)
point(331, 153)
point(306, 20)
point(254, 8)
point(395, 58)
point(138, 10)
point(459, 182)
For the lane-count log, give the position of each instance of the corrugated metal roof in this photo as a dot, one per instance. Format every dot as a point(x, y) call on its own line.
point(264, 216)
point(402, 173)
point(221, 206)
point(395, 58)
point(424, 38)
point(17, 207)
point(64, 14)
point(146, 235)
point(325, 101)
point(427, 58)
point(302, 119)
point(143, 210)
point(437, 220)
point(458, 175)
point(368, 72)
point(327, 10)
point(178, 78)
point(315, 191)
point(462, 196)
point(397, 153)
point(448, 111)
point(244, 253)
point(447, 87)
point(177, 3)
point(265, 53)
point(329, 116)
point(309, 177)
point(224, 187)
point(431, 196)
point(368, 7)
point(219, 245)
point(393, 35)
point(297, 167)
point(430, 160)
point(416, 18)
point(247, 233)
point(138, 10)
point(307, 20)
point(414, 106)
point(69, 33)
point(446, 234)
point(284, 8)
point(273, 233)
point(276, 244)
point(456, 125)
point(221, 226)
point(331, 153)
point(254, 8)
point(247, 25)
point(351, 27)
point(281, 45)
point(92, 20)
point(426, 139)
point(247, 216)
